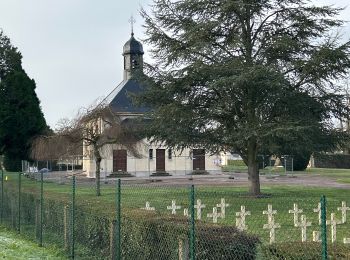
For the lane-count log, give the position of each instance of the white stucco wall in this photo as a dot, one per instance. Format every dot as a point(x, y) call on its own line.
point(179, 164)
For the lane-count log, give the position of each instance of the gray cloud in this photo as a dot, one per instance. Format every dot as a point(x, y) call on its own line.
point(72, 48)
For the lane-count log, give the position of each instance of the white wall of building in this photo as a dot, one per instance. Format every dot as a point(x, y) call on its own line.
point(181, 163)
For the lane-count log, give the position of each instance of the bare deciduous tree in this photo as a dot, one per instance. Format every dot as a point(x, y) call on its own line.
point(95, 128)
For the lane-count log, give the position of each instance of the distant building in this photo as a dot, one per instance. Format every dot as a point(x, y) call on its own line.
point(154, 158)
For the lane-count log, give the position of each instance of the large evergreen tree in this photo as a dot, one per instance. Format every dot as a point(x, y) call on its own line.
point(21, 117)
point(244, 75)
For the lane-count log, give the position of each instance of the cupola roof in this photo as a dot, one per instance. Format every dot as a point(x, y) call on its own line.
point(132, 46)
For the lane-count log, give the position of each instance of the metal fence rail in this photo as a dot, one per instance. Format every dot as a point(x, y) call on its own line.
point(154, 221)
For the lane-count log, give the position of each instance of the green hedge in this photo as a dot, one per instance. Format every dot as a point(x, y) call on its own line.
point(302, 251)
point(158, 238)
point(235, 163)
point(341, 161)
point(145, 235)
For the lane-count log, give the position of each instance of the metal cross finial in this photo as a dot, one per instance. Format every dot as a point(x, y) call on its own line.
point(132, 21)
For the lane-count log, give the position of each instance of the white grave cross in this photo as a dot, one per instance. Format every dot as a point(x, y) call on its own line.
point(303, 225)
point(318, 210)
point(199, 208)
point(240, 221)
point(333, 222)
point(316, 236)
point(346, 240)
point(223, 207)
point(269, 212)
point(214, 215)
point(186, 213)
point(296, 212)
point(148, 206)
point(272, 226)
point(343, 210)
point(173, 207)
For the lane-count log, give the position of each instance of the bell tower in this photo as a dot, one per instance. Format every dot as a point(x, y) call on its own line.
point(133, 54)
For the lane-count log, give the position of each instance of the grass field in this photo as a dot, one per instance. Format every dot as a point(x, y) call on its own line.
point(14, 247)
point(340, 175)
point(280, 197)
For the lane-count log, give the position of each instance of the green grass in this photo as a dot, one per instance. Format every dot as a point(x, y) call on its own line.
point(14, 247)
point(281, 197)
point(341, 175)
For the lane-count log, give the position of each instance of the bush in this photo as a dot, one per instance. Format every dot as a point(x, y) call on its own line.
point(302, 251)
point(341, 161)
point(301, 161)
point(264, 161)
point(12, 164)
point(158, 238)
point(236, 163)
point(145, 235)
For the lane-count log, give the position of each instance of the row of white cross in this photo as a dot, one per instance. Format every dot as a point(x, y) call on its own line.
point(271, 225)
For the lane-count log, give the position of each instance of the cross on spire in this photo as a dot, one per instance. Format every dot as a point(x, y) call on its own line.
point(132, 21)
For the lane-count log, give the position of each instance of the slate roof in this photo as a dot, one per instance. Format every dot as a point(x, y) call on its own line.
point(122, 101)
point(133, 46)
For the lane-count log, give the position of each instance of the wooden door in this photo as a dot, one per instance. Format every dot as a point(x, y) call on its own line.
point(119, 160)
point(160, 160)
point(199, 159)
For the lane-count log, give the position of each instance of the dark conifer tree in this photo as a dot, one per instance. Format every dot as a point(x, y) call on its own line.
point(245, 76)
point(21, 118)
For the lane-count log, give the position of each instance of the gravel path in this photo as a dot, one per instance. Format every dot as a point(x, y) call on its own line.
point(239, 179)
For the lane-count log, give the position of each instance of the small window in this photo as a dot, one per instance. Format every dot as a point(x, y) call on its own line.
point(150, 154)
point(170, 154)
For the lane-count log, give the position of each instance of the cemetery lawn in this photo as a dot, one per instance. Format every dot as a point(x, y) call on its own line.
point(341, 175)
point(15, 247)
point(134, 197)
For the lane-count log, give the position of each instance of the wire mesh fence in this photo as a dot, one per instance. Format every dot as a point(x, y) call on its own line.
point(156, 221)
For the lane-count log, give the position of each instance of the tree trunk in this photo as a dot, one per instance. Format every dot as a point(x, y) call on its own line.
point(98, 175)
point(98, 171)
point(253, 169)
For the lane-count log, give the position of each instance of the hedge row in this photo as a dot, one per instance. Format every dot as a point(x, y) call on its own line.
point(144, 235)
point(341, 161)
point(147, 235)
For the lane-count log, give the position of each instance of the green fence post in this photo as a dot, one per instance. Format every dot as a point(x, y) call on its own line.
point(72, 218)
point(118, 224)
point(2, 194)
point(192, 225)
point(19, 203)
point(41, 208)
point(324, 228)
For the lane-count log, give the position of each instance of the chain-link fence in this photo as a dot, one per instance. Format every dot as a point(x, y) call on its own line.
point(150, 220)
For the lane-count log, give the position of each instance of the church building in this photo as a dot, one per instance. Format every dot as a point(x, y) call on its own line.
point(155, 159)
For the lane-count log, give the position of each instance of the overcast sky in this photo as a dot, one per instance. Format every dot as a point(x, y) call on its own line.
point(72, 48)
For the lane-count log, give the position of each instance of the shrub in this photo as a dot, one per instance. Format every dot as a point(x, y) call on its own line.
point(235, 163)
point(300, 161)
point(332, 160)
point(157, 237)
point(302, 251)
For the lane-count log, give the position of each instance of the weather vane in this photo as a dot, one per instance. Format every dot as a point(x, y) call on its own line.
point(132, 21)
